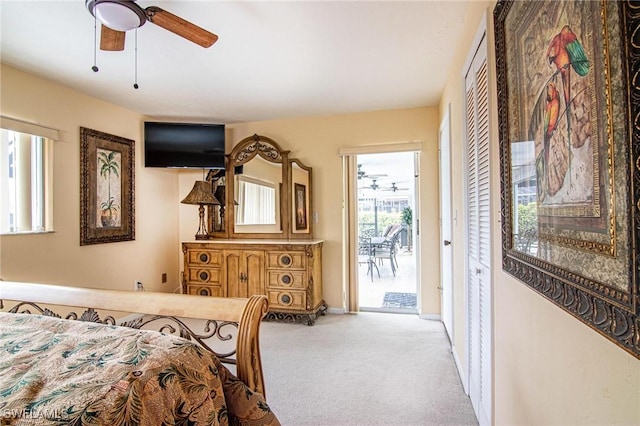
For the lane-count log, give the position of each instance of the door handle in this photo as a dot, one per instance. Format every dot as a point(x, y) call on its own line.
point(447, 242)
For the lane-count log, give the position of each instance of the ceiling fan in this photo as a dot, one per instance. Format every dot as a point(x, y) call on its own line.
point(394, 188)
point(374, 185)
point(119, 16)
point(362, 174)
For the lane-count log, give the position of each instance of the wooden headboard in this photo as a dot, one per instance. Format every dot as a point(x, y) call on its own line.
point(245, 314)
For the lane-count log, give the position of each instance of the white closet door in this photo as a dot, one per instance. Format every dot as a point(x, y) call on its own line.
point(479, 236)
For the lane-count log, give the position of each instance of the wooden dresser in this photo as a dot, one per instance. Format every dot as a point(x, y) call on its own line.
point(289, 273)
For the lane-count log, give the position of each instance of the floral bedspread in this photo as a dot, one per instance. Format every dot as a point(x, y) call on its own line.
point(61, 372)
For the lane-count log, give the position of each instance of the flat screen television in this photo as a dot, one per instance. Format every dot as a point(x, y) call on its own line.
point(187, 145)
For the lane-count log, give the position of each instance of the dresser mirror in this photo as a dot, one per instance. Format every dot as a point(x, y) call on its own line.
point(272, 195)
point(257, 191)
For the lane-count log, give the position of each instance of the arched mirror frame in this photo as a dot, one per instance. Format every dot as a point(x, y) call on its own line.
point(269, 150)
point(245, 151)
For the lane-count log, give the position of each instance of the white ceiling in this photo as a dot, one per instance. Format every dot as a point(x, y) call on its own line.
point(273, 59)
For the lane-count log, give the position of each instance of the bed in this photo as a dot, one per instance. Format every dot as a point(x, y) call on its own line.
point(108, 371)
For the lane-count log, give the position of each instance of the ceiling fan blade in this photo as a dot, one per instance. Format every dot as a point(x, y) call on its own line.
point(111, 40)
point(179, 26)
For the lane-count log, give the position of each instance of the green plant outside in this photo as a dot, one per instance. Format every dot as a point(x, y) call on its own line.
point(367, 220)
point(407, 216)
point(527, 219)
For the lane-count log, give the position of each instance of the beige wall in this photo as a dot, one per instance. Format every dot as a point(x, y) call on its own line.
point(315, 141)
point(58, 257)
point(549, 368)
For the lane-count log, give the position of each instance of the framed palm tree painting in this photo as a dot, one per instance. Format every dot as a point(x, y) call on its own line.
point(106, 188)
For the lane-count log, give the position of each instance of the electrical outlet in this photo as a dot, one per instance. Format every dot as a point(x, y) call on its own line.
point(164, 277)
point(138, 285)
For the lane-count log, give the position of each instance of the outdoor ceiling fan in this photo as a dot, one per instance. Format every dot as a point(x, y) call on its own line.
point(363, 175)
point(394, 188)
point(374, 185)
point(119, 16)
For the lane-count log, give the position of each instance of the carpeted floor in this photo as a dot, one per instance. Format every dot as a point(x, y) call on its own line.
point(366, 369)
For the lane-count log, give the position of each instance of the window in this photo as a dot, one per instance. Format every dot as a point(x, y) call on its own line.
point(24, 182)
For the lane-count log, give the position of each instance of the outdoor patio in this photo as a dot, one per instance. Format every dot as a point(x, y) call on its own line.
point(389, 293)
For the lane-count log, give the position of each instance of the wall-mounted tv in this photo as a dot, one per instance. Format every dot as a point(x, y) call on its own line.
point(187, 145)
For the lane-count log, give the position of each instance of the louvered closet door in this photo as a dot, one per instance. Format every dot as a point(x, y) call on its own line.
point(479, 233)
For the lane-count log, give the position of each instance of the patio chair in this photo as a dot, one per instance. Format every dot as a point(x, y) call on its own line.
point(365, 256)
point(388, 250)
point(391, 230)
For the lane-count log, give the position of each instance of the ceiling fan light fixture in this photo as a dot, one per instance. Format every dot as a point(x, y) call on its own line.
point(119, 15)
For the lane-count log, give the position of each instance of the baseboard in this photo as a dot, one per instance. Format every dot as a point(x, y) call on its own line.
point(432, 317)
point(389, 310)
point(460, 370)
point(340, 311)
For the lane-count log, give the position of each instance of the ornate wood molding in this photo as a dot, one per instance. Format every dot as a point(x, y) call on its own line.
point(257, 145)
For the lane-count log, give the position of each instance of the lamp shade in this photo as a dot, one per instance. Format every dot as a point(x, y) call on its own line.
point(200, 194)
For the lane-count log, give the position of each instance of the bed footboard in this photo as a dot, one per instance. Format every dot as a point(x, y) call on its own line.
point(218, 313)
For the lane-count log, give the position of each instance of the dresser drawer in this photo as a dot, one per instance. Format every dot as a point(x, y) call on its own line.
point(204, 290)
point(287, 259)
point(204, 275)
point(204, 257)
point(286, 299)
point(286, 279)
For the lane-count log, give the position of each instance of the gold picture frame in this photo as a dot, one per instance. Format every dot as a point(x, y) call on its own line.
point(301, 206)
point(567, 97)
point(106, 188)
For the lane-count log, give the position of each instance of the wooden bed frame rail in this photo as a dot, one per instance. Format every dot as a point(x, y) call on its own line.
point(246, 314)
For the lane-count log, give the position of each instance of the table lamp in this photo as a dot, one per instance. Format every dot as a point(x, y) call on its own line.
point(201, 194)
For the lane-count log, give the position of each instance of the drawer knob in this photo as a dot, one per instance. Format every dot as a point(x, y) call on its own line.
point(285, 260)
point(286, 279)
point(204, 292)
point(204, 275)
point(204, 258)
point(285, 299)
